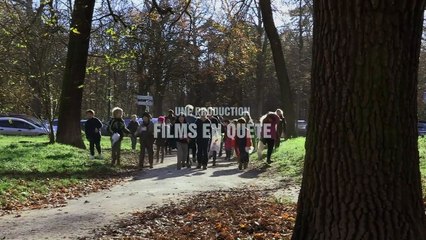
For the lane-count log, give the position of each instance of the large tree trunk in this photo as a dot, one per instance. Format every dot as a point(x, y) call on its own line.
point(280, 65)
point(69, 131)
point(361, 176)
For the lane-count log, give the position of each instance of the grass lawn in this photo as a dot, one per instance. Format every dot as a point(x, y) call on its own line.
point(290, 155)
point(31, 169)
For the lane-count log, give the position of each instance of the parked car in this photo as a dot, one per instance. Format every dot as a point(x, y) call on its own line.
point(82, 123)
point(28, 118)
point(301, 127)
point(421, 126)
point(54, 125)
point(104, 129)
point(20, 126)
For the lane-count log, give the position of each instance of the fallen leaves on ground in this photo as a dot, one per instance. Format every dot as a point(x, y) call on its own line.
point(57, 196)
point(223, 215)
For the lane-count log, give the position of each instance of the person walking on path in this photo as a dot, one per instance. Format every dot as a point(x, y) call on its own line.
point(251, 127)
point(243, 143)
point(190, 119)
point(172, 118)
point(228, 140)
point(160, 139)
point(133, 126)
point(203, 138)
point(117, 128)
point(281, 127)
point(214, 145)
point(181, 130)
point(269, 134)
point(145, 132)
point(92, 129)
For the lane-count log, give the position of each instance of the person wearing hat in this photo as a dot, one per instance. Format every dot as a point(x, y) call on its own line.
point(160, 139)
point(145, 132)
point(117, 128)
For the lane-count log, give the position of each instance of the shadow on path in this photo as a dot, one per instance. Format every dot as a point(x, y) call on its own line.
point(222, 168)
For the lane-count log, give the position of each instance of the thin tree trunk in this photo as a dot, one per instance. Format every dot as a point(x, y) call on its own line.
point(69, 131)
point(261, 45)
point(158, 105)
point(142, 83)
point(361, 176)
point(280, 65)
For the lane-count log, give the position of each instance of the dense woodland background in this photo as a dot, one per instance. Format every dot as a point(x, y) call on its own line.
point(215, 54)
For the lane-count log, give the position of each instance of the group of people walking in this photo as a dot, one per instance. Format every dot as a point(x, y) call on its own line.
point(211, 138)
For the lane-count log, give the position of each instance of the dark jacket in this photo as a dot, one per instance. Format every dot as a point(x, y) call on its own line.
point(133, 126)
point(117, 125)
point(281, 127)
point(203, 125)
point(90, 128)
point(190, 119)
point(146, 133)
point(160, 139)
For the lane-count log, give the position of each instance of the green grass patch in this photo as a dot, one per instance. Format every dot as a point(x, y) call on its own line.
point(289, 158)
point(30, 166)
point(290, 155)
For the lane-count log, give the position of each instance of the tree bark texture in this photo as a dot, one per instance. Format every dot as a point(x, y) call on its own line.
point(361, 175)
point(69, 131)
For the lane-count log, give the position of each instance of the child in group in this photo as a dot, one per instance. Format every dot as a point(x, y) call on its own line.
point(229, 145)
point(117, 128)
point(160, 140)
point(146, 133)
point(243, 143)
point(169, 141)
point(182, 142)
point(234, 123)
point(190, 119)
point(92, 128)
point(133, 126)
point(203, 138)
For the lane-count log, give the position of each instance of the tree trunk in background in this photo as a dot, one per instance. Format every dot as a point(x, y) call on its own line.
point(361, 176)
point(142, 83)
point(69, 131)
point(158, 106)
point(261, 45)
point(280, 65)
point(260, 75)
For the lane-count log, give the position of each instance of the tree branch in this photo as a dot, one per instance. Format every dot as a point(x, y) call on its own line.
point(116, 17)
point(160, 10)
point(184, 11)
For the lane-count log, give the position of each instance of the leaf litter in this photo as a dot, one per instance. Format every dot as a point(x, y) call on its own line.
point(231, 214)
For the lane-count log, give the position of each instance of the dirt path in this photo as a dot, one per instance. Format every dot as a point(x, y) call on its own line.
point(152, 186)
